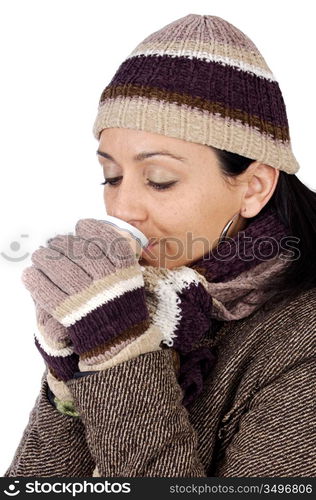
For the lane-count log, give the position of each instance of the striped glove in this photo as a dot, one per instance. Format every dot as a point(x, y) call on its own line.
point(181, 307)
point(92, 284)
point(54, 344)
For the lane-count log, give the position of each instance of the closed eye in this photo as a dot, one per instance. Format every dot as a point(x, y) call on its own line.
point(158, 186)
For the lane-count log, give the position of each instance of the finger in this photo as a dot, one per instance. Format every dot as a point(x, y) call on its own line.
point(112, 243)
point(85, 254)
point(53, 333)
point(68, 276)
point(43, 291)
point(66, 309)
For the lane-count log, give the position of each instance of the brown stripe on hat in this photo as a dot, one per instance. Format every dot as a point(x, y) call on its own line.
point(205, 80)
point(265, 127)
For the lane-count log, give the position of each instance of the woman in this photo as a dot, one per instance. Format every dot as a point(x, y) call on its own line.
point(198, 359)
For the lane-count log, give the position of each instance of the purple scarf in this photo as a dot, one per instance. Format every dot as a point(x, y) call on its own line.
point(235, 271)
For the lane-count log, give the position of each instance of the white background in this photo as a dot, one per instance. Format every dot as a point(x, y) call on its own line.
point(56, 58)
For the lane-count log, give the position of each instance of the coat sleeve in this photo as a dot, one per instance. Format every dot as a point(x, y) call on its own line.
point(52, 444)
point(276, 436)
point(136, 425)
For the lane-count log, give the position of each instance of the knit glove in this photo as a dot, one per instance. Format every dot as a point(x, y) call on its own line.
point(181, 308)
point(92, 284)
point(53, 342)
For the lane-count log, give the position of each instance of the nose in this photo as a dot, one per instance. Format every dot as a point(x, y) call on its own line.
point(126, 202)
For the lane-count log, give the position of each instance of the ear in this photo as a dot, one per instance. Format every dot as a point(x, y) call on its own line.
point(260, 183)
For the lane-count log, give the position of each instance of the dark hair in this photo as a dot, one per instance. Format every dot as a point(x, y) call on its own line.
point(295, 204)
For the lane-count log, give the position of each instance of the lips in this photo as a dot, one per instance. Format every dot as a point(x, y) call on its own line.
point(151, 241)
point(150, 246)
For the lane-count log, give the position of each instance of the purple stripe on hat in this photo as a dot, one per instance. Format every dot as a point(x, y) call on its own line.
point(212, 81)
point(109, 320)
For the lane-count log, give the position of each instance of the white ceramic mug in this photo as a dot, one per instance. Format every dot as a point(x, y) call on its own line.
point(139, 238)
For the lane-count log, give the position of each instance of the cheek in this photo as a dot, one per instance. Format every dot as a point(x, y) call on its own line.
point(201, 217)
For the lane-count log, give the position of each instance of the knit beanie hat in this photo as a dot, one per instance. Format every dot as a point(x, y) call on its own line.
point(202, 80)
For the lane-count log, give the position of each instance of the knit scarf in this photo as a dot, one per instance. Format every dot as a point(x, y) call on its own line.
point(190, 303)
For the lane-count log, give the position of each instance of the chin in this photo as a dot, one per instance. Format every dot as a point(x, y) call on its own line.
point(145, 262)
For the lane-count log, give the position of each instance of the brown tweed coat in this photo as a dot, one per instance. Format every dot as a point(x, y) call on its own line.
point(255, 418)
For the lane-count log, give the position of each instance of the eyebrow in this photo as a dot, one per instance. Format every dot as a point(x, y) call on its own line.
point(146, 154)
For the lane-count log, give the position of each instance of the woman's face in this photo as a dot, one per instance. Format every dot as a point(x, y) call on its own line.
point(184, 218)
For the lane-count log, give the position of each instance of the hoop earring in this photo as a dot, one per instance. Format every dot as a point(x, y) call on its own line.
point(226, 228)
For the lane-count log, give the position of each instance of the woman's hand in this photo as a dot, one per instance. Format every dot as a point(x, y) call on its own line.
point(55, 346)
point(181, 305)
point(92, 284)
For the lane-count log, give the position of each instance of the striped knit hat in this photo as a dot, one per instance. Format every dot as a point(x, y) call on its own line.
point(202, 80)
